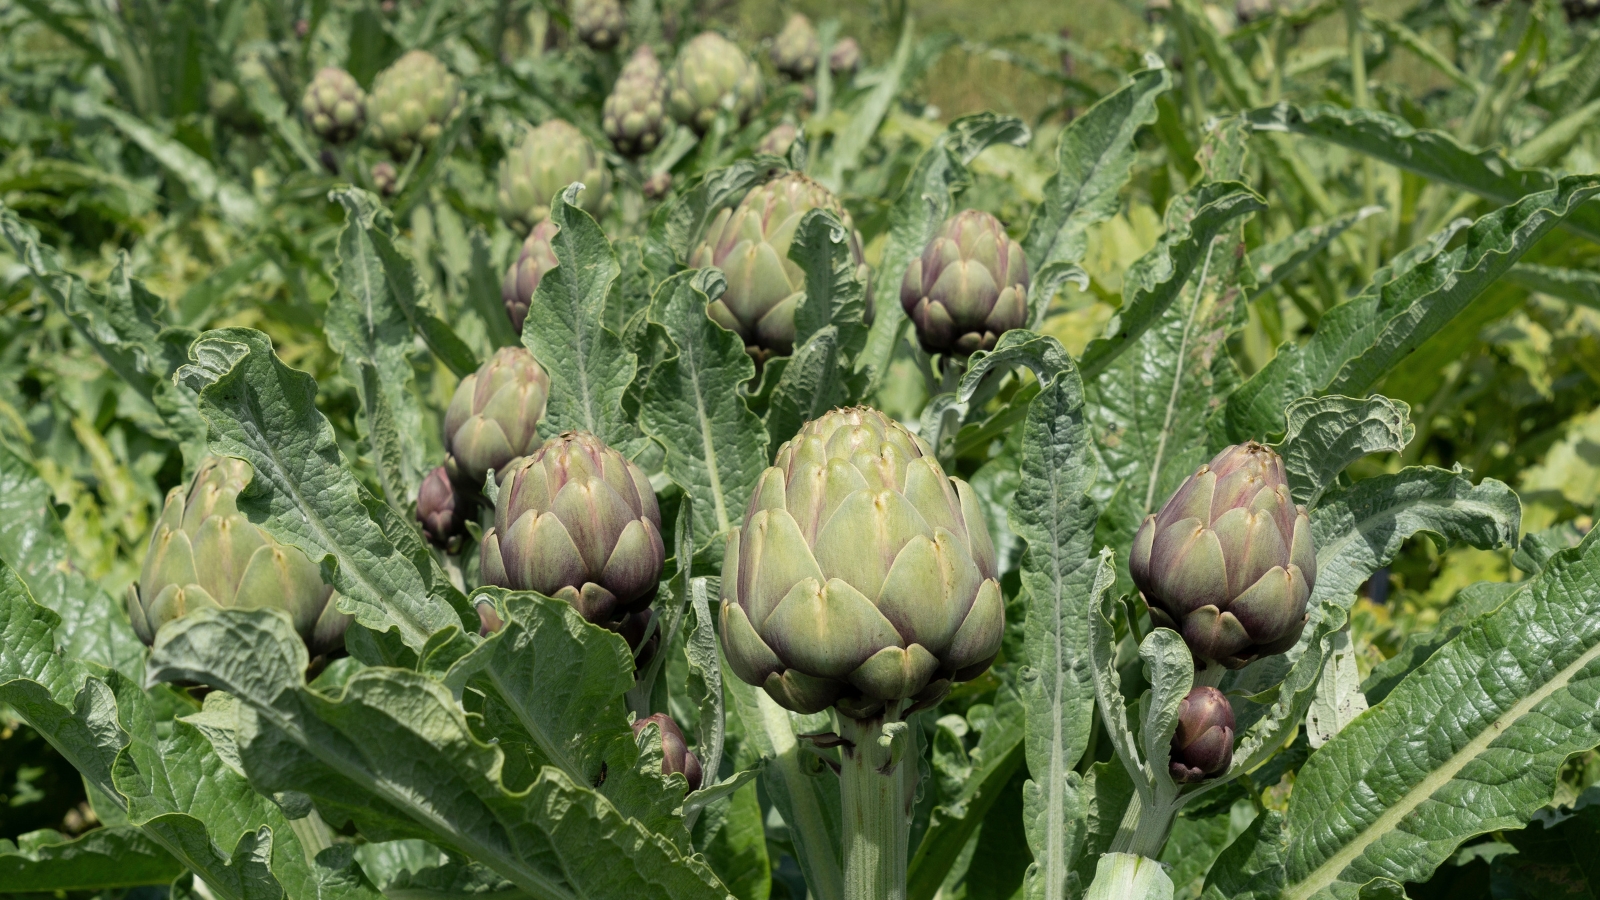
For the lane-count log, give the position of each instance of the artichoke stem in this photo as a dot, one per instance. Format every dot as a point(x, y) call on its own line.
point(876, 784)
point(1211, 675)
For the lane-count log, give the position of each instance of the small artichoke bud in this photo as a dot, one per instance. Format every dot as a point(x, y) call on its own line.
point(778, 141)
point(710, 72)
point(410, 103)
point(578, 521)
point(969, 286)
point(675, 753)
point(598, 23)
point(334, 105)
point(549, 158)
point(1202, 747)
point(205, 552)
point(634, 115)
point(658, 185)
point(795, 49)
point(861, 573)
point(845, 57)
point(522, 279)
point(442, 510)
point(493, 417)
point(385, 178)
point(1228, 561)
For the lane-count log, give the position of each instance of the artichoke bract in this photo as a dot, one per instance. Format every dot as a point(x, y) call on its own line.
point(577, 521)
point(750, 244)
point(710, 72)
point(778, 141)
point(410, 102)
point(441, 509)
point(634, 115)
point(969, 286)
point(795, 49)
point(861, 574)
point(675, 753)
point(334, 105)
point(493, 416)
point(522, 279)
point(845, 57)
point(205, 553)
point(1202, 746)
point(549, 158)
point(1228, 561)
point(598, 23)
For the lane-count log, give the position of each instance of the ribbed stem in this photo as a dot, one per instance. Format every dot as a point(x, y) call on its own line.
point(876, 806)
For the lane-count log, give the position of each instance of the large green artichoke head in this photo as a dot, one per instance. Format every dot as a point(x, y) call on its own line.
point(861, 574)
point(549, 158)
point(334, 105)
point(795, 49)
point(1228, 561)
point(598, 23)
point(522, 279)
point(493, 417)
point(410, 102)
point(968, 287)
point(710, 72)
point(750, 244)
point(634, 115)
point(205, 553)
point(577, 520)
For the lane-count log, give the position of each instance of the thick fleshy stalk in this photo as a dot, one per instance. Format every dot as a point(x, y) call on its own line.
point(877, 781)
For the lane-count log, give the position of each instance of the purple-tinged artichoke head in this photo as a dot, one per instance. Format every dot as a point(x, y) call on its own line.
point(675, 753)
point(658, 185)
point(598, 23)
point(441, 509)
point(334, 105)
point(969, 286)
point(1202, 746)
point(1228, 561)
point(410, 103)
point(634, 114)
point(522, 279)
point(493, 417)
point(861, 573)
point(550, 157)
point(205, 553)
point(845, 57)
point(795, 49)
point(712, 72)
point(578, 521)
point(384, 177)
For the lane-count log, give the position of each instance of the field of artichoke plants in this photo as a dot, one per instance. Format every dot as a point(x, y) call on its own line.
point(555, 449)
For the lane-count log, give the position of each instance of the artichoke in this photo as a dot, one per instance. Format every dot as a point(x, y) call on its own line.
point(710, 72)
point(750, 244)
point(334, 105)
point(778, 141)
point(969, 286)
point(441, 509)
point(795, 49)
point(522, 279)
point(861, 573)
point(549, 158)
point(845, 57)
point(493, 416)
point(384, 177)
point(658, 185)
point(1228, 561)
point(410, 102)
point(205, 552)
point(598, 23)
point(675, 753)
point(634, 115)
point(576, 520)
point(1202, 746)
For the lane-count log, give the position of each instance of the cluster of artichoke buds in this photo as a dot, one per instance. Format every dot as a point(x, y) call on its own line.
point(634, 115)
point(711, 73)
point(1228, 561)
point(334, 105)
point(578, 521)
point(598, 23)
point(493, 417)
point(410, 103)
point(1202, 745)
point(969, 286)
point(675, 753)
point(795, 49)
point(205, 553)
point(522, 279)
point(549, 158)
point(861, 575)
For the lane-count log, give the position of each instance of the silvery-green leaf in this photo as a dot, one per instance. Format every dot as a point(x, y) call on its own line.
point(113, 857)
point(1573, 285)
point(811, 384)
point(1338, 698)
point(834, 296)
point(1276, 261)
point(1170, 669)
point(1323, 435)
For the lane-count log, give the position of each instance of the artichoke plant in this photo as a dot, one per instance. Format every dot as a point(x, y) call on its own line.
point(968, 287)
point(795, 49)
point(441, 509)
point(410, 102)
point(598, 23)
point(1228, 561)
point(204, 552)
point(675, 753)
point(634, 115)
point(710, 72)
point(549, 158)
point(845, 57)
point(522, 279)
point(861, 574)
point(778, 141)
point(1202, 746)
point(576, 520)
point(750, 244)
point(493, 417)
point(334, 105)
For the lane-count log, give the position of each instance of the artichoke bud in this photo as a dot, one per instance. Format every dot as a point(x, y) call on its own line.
point(712, 72)
point(969, 286)
point(795, 49)
point(1202, 746)
point(845, 57)
point(1228, 561)
point(384, 177)
point(493, 417)
point(334, 105)
point(675, 753)
point(442, 510)
point(778, 141)
point(861, 574)
point(578, 521)
point(205, 552)
point(634, 115)
point(410, 103)
point(598, 23)
point(522, 279)
point(658, 185)
point(549, 158)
